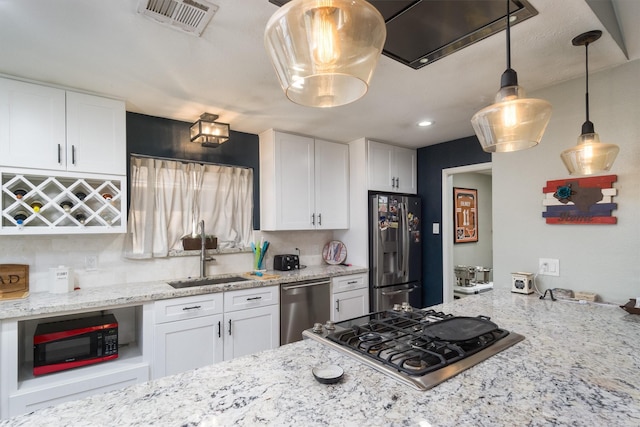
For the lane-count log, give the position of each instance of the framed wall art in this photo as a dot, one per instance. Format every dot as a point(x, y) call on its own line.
point(465, 215)
point(584, 201)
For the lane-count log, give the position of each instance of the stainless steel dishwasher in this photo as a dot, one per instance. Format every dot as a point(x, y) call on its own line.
point(301, 305)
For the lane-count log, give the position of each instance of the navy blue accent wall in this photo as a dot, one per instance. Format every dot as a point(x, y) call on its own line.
point(431, 161)
point(156, 136)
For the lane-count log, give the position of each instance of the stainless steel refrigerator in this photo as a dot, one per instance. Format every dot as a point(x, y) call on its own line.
point(395, 250)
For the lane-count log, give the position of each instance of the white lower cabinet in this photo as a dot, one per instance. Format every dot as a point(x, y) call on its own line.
point(252, 321)
point(192, 332)
point(21, 391)
point(349, 297)
point(187, 334)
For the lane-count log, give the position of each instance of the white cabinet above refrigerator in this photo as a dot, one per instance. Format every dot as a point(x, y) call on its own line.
point(391, 168)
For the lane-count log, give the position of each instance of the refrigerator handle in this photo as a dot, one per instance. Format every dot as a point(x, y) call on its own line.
point(403, 239)
point(401, 236)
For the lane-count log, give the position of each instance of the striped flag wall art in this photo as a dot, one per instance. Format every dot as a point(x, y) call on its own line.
point(580, 200)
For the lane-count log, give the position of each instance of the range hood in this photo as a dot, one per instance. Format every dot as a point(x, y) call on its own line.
point(420, 32)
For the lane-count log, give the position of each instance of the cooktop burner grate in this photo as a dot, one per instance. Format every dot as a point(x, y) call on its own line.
point(418, 342)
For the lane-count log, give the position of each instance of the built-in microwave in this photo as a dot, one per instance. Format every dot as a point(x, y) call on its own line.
point(67, 344)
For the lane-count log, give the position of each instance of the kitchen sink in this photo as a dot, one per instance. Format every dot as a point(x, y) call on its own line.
point(188, 283)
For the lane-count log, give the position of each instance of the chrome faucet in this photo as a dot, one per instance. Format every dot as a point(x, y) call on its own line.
point(203, 251)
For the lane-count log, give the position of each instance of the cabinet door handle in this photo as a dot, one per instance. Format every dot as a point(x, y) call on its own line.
point(253, 298)
point(229, 326)
point(397, 182)
point(393, 182)
point(313, 219)
point(73, 154)
point(195, 307)
point(59, 152)
point(337, 305)
point(319, 219)
point(219, 329)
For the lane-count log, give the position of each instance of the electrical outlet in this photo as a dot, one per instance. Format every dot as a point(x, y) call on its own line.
point(549, 266)
point(91, 262)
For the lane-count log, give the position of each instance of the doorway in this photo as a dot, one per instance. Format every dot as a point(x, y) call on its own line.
point(448, 258)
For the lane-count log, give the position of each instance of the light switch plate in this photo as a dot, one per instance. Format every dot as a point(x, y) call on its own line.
point(549, 267)
point(436, 228)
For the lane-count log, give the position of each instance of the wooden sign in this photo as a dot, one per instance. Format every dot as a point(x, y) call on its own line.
point(580, 200)
point(14, 281)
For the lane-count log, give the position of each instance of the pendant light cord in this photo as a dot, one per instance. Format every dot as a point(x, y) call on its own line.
point(508, 36)
point(509, 77)
point(586, 92)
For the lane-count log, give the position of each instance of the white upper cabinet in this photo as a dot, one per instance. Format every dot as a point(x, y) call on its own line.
point(304, 183)
point(96, 134)
point(52, 129)
point(391, 168)
point(332, 185)
point(32, 126)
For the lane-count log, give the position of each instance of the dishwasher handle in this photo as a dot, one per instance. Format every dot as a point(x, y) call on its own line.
point(304, 285)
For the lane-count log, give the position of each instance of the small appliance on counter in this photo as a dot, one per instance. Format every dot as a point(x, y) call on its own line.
point(68, 344)
point(464, 275)
point(471, 280)
point(286, 262)
point(472, 275)
point(522, 283)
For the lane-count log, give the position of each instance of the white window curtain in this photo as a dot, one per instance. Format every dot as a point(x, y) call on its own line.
point(169, 198)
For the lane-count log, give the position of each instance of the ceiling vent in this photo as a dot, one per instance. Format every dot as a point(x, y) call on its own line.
point(186, 15)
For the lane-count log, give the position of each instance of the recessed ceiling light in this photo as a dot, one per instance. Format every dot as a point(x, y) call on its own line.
point(513, 18)
point(424, 60)
point(425, 123)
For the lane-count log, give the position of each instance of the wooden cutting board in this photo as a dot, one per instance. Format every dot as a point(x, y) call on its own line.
point(263, 277)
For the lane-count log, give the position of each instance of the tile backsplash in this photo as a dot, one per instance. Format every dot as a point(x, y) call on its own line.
point(44, 252)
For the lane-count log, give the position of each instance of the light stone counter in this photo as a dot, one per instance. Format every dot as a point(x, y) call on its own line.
point(44, 303)
point(578, 366)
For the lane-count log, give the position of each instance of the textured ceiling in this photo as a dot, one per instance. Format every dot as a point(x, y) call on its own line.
point(106, 47)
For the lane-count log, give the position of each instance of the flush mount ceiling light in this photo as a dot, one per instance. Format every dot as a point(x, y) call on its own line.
point(425, 123)
point(513, 122)
point(208, 132)
point(325, 51)
point(590, 156)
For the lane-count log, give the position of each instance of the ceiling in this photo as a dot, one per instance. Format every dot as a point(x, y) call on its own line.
point(106, 47)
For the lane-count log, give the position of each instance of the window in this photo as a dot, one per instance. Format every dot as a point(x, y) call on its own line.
point(169, 198)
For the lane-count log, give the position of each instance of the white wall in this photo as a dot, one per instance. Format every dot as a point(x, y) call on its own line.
point(478, 253)
point(604, 259)
point(44, 252)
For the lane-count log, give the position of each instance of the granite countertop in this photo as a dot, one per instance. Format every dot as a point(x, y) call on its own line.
point(578, 366)
point(45, 303)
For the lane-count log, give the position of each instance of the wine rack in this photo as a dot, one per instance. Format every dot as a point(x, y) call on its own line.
point(67, 203)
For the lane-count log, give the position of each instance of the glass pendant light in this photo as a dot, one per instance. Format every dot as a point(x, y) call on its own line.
point(590, 156)
point(513, 122)
point(325, 51)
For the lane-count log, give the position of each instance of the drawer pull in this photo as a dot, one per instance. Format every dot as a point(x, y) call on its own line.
point(195, 307)
point(253, 298)
point(352, 282)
